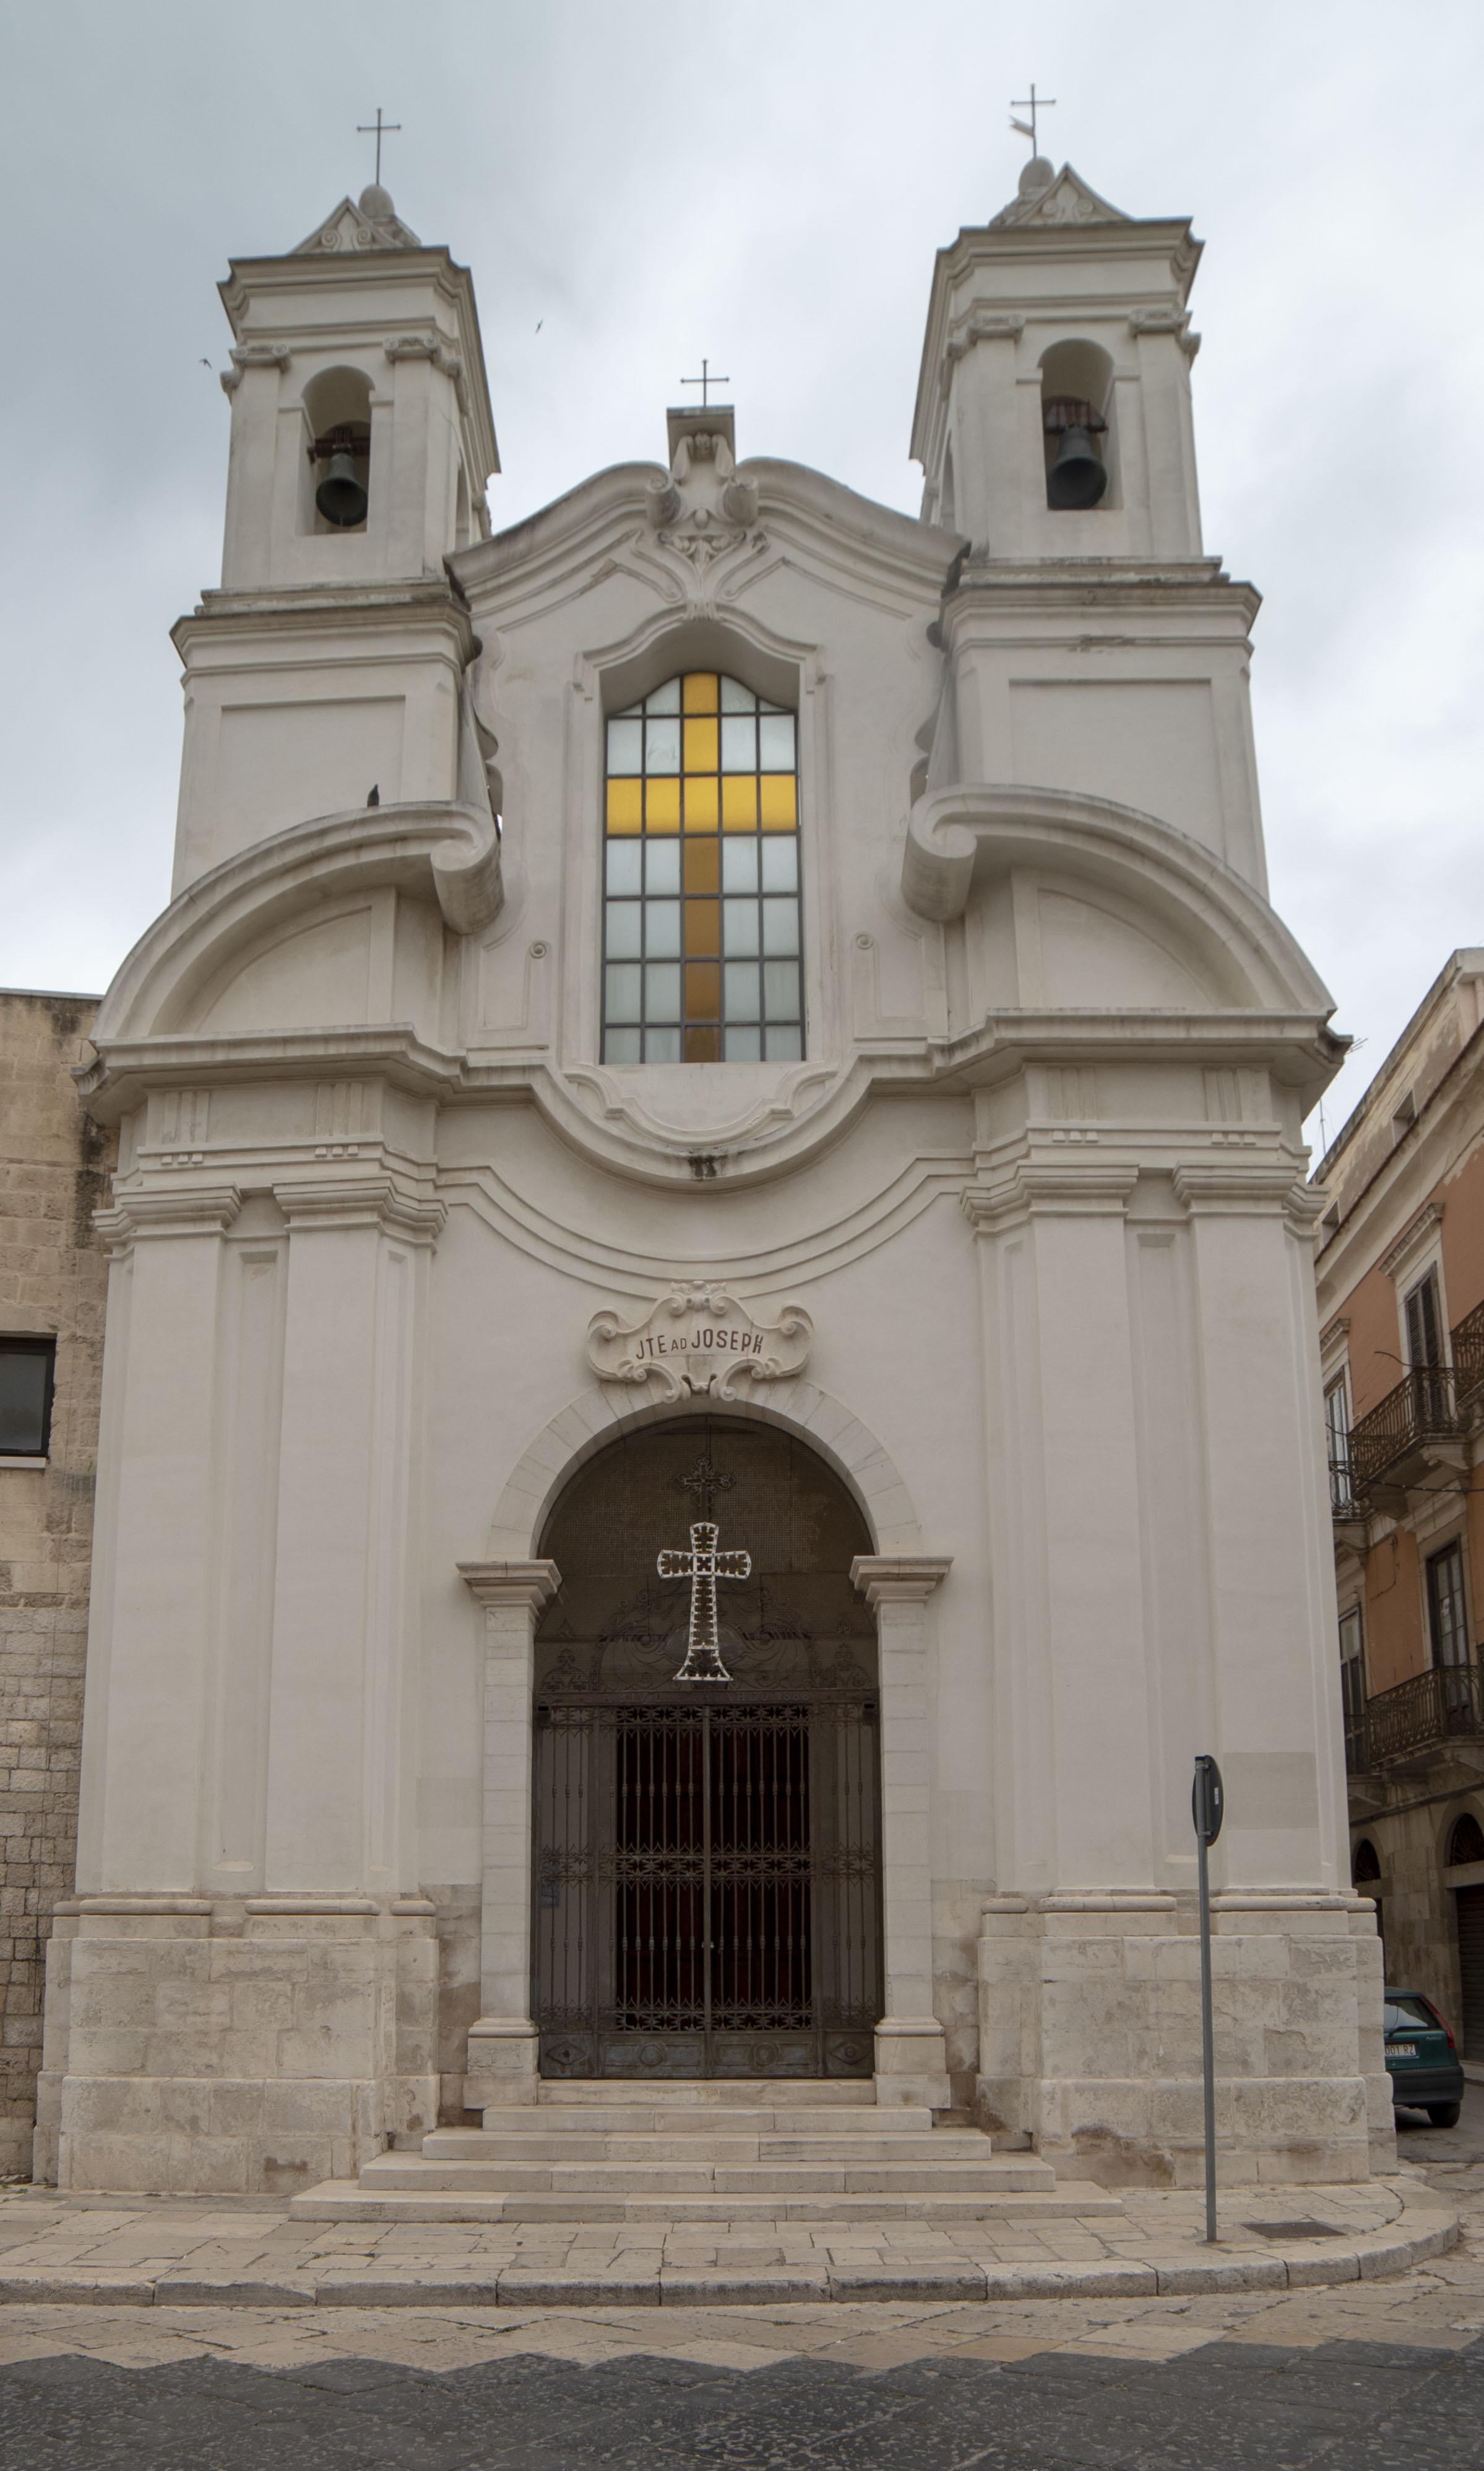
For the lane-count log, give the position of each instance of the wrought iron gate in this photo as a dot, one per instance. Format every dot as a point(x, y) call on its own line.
point(706, 1883)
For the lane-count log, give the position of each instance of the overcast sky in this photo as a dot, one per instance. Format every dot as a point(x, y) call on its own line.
point(636, 185)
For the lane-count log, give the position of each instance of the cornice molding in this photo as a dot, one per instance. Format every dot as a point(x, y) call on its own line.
point(899, 1577)
point(1096, 1188)
point(1412, 1240)
point(1230, 1190)
point(341, 1203)
point(510, 1585)
point(254, 356)
point(207, 1210)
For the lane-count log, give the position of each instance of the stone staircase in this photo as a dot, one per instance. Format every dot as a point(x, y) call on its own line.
point(704, 2151)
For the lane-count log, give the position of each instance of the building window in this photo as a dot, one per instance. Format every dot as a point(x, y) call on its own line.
point(1336, 1426)
point(1446, 1615)
point(1353, 1689)
point(27, 1368)
point(703, 956)
point(1423, 1325)
point(1466, 1843)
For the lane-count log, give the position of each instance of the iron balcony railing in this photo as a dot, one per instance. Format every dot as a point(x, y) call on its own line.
point(1422, 1408)
point(1466, 1345)
point(1444, 1705)
point(1433, 1404)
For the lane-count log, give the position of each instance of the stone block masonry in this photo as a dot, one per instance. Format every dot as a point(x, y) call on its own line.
point(55, 1164)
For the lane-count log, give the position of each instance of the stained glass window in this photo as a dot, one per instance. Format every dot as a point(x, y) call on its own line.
point(701, 947)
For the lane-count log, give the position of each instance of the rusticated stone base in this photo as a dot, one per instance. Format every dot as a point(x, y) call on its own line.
point(207, 2046)
point(1090, 2035)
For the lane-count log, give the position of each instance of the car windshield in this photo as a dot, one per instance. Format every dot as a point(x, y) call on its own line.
point(1403, 2013)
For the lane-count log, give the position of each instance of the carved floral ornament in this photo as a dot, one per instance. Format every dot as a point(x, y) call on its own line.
point(698, 1338)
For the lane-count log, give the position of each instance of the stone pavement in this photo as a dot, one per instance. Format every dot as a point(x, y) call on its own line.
point(204, 2252)
point(1373, 2370)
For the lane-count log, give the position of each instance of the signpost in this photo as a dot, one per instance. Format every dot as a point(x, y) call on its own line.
point(1207, 1800)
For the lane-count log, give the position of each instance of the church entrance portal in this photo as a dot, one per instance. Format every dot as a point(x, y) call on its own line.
point(707, 1864)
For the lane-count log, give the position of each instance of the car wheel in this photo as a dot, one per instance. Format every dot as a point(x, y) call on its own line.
point(1444, 2114)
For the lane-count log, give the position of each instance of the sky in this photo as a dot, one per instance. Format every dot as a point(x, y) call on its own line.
point(635, 186)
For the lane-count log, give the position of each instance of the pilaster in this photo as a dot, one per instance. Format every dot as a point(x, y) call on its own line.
point(143, 1727)
point(346, 1594)
point(911, 2056)
point(502, 2042)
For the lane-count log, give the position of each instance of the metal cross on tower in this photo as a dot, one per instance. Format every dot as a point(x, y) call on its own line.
point(380, 128)
point(704, 380)
point(703, 1566)
point(1028, 129)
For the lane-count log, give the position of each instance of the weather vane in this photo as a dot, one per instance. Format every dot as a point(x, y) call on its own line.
point(380, 128)
point(1034, 103)
point(704, 380)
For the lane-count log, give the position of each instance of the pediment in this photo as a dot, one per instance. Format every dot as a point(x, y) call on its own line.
point(694, 543)
point(1068, 199)
point(347, 227)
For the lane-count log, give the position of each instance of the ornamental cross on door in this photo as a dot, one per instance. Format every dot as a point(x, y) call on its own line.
point(703, 1566)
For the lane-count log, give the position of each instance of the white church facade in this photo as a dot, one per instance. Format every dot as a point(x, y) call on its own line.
point(712, 1379)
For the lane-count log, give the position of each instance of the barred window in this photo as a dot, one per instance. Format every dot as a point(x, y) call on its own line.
point(702, 955)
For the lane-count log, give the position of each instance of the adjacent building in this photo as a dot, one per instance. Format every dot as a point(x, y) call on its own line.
point(54, 1171)
point(1400, 1271)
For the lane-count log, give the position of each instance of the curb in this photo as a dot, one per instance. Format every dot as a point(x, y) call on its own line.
point(1309, 2265)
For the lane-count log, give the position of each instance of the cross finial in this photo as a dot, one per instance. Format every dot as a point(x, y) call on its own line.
point(380, 128)
point(705, 380)
point(1033, 105)
point(703, 1484)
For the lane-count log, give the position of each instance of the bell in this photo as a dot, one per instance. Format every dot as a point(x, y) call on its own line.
point(342, 499)
point(1078, 477)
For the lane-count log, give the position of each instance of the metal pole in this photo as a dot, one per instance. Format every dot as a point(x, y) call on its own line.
point(1208, 2041)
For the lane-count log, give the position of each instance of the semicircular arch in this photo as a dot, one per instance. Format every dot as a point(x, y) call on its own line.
point(593, 1418)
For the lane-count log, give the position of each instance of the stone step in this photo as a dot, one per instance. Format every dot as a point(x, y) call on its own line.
point(760, 2093)
point(579, 2127)
point(716, 2146)
point(617, 2118)
point(343, 2201)
point(411, 2174)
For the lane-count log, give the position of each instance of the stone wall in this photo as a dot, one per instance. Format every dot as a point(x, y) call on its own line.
point(53, 1170)
point(1090, 2035)
point(235, 2046)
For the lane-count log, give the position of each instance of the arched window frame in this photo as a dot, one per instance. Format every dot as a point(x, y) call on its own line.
point(702, 936)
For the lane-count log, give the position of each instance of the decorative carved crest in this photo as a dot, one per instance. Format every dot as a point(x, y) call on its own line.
point(1066, 200)
point(698, 1338)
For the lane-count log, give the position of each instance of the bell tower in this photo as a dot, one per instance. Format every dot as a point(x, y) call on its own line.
point(328, 663)
point(1053, 408)
point(1091, 645)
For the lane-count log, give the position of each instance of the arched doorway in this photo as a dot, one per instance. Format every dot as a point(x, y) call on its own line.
point(706, 1873)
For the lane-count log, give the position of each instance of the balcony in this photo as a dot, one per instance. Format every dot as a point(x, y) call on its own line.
point(1393, 1443)
point(1444, 1708)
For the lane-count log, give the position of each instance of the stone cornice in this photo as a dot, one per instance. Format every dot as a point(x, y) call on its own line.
point(1414, 1235)
point(206, 1209)
point(232, 618)
point(899, 1577)
point(511, 1583)
point(586, 1104)
point(360, 1201)
point(1090, 1188)
point(1235, 1189)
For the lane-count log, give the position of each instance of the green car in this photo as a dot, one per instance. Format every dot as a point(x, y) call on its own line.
point(1422, 2058)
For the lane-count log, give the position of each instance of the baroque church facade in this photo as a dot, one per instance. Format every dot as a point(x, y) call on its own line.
point(711, 1381)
